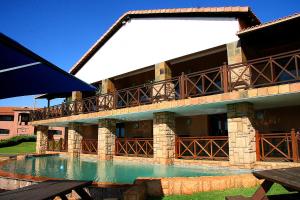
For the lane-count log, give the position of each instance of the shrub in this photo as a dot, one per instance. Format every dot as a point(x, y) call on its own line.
point(17, 140)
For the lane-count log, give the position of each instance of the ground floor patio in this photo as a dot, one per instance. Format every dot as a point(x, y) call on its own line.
point(241, 135)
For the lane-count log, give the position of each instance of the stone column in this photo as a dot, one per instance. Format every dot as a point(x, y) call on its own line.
point(107, 86)
point(76, 95)
point(106, 138)
point(160, 91)
point(164, 137)
point(107, 101)
point(162, 71)
point(41, 139)
point(241, 134)
point(239, 76)
point(74, 139)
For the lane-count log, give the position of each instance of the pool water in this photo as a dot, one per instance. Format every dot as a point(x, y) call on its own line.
point(104, 171)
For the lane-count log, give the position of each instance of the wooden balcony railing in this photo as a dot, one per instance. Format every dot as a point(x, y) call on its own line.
point(278, 147)
point(89, 146)
point(274, 70)
point(203, 83)
point(57, 145)
point(138, 147)
point(206, 147)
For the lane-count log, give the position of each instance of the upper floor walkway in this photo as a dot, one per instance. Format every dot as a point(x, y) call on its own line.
point(262, 72)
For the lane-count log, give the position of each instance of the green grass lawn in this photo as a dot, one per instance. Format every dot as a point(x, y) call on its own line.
point(25, 147)
point(220, 195)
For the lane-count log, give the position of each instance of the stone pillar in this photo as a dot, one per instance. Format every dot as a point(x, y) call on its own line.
point(107, 101)
point(107, 86)
point(164, 137)
point(41, 139)
point(161, 91)
point(162, 71)
point(106, 138)
point(74, 139)
point(76, 95)
point(235, 55)
point(241, 134)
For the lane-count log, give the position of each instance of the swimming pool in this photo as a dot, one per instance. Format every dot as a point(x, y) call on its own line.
point(104, 171)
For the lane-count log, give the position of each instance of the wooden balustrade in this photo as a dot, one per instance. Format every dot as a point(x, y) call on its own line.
point(278, 146)
point(57, 145)
point(204, 83)
point(138, 147)
point(273, 70)
point(89, 146)
point(206, 147)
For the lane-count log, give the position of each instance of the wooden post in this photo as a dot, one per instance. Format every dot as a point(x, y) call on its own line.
point(225, 77)
point(257, 140)
point(176, 146)
point(182, 86)
point(294, 145)
point(115, 99)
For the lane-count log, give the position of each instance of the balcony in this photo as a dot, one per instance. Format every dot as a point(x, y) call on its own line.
point(274, 70)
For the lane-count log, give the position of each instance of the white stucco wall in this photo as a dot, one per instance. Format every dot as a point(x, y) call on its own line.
point(144, 42)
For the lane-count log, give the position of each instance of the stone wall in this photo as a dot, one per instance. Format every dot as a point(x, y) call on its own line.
point(164, 137)
point(106, 138)
point(241, 134)
point(158, 187)
point(41, 139)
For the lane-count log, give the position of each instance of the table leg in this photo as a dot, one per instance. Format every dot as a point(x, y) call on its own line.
point(261, 192)
point(83, 194)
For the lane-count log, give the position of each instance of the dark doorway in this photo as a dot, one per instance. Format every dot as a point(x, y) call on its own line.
point(120, 133)
point(218, 125)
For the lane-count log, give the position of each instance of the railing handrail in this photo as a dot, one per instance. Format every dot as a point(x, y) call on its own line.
point(202, 147)
point(268, 146)
point(134, 139)
point(134, 146)
point(202, 137)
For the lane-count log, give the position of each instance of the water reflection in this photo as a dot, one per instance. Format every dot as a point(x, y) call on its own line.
point(103, 171)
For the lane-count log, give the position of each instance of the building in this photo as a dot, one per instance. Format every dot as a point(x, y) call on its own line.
point(208, 85)
point(15, 121)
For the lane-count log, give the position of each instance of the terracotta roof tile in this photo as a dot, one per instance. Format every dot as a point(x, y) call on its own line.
point(236, 10)
point(267, 24)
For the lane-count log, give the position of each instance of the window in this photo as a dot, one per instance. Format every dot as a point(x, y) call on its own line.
point(4, 131)
point(54, 132)
point(6, 118)
point(23, 117)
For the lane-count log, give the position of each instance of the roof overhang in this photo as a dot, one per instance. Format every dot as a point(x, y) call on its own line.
point(270, 25)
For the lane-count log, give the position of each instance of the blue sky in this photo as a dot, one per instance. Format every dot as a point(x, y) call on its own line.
point(63, 30)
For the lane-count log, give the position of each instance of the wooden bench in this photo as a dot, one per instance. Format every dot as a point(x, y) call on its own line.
point(48, 190)
point(289, 178)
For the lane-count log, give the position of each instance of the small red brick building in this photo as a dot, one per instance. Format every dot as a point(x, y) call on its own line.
point(14, 121)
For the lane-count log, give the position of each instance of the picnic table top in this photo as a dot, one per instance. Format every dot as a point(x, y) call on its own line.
point(289, 177)
point(45, 190)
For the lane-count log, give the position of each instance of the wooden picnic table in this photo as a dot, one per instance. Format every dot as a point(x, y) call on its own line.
point(48, 190)
point(289, 178)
